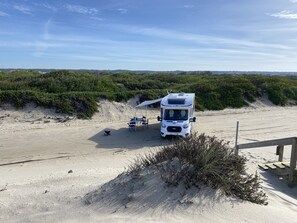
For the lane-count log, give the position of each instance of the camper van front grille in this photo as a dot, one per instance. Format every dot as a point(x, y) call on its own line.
point(174, 129)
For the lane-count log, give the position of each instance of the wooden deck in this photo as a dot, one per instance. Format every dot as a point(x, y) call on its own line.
point(280, 143)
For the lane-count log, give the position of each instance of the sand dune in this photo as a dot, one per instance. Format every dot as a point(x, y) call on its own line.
point(39, 148)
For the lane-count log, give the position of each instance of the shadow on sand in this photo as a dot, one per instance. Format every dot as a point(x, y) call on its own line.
point(125, 138)
point(280, 186)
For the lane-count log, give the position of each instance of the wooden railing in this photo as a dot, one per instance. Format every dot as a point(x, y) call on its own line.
point(280, 143)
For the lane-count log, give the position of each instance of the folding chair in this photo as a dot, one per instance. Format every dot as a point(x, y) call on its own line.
point(132, 125)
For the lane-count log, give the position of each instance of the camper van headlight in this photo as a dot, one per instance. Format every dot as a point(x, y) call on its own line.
point(185, 126)
point(163, 126)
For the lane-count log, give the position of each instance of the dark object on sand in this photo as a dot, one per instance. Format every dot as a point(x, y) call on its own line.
point(107, 132)
point(70, 171)
point(3, 189)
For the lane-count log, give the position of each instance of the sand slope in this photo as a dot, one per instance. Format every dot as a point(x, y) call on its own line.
point(36, 156)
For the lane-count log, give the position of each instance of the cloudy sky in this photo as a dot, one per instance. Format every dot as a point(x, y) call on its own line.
point(253, 35)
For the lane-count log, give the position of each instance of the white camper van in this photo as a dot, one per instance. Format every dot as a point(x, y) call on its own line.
point(177, 114)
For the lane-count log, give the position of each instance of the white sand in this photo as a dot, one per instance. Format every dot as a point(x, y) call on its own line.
point(37, 151)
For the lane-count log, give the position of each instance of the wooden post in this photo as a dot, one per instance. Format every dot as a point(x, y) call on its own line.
point(293, 161)
point(236, 139)
point(280, 153)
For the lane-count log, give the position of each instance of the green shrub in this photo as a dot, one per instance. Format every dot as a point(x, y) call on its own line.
point(276, 95)
point(290, 92)
point(204, 159)
point(213, 92)
point(83, 105)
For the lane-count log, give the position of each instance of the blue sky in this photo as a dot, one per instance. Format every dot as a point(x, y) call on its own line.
point(254, 35)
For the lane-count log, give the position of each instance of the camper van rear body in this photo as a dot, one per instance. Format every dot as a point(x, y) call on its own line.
point(177, 110)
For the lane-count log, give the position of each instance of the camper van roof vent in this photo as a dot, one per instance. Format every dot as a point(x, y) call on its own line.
point(181, 94)
point(176, 101)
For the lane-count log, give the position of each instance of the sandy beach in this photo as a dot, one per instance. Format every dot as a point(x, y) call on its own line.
point(49, 162)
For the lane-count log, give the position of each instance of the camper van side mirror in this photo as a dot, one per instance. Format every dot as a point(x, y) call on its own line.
point(193, 119)
point(159, 118)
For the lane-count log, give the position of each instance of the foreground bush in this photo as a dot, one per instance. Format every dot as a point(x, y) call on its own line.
point(207, 160)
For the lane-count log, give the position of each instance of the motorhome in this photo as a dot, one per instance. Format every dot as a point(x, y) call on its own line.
point(177, 114)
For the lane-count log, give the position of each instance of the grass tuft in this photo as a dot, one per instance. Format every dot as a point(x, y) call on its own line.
point(203, 159)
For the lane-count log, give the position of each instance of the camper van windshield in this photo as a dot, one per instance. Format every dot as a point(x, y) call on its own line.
point(176, 114)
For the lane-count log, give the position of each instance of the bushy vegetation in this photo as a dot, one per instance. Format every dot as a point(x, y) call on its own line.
point(207, 160)
point(80, 104)
point(76, 92)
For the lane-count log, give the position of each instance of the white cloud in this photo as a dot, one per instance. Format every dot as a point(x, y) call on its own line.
point(81, 9)
point(285, 14)
point(50, 7)
point(28, 44)
point(41, 48)
point(3, 13)
point(46, 34)
point(196, 38)
point(23, 9)
point(188, 6)
point(97, 18)
point(294, 1)
point(122, 11)
point(83, 57)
